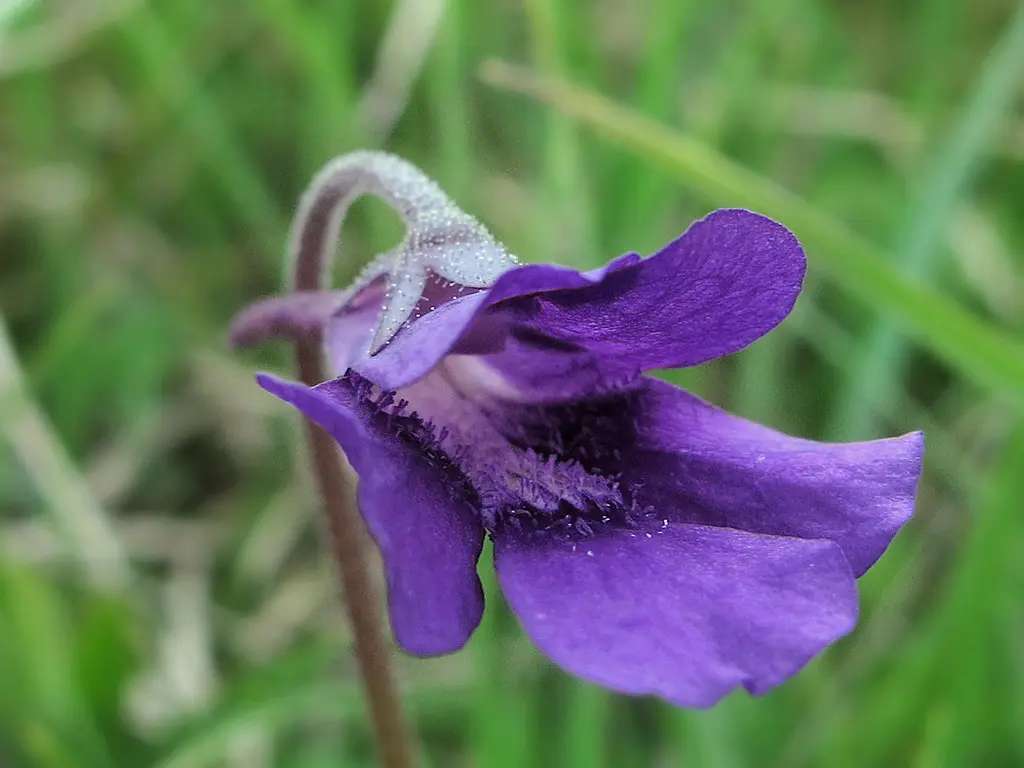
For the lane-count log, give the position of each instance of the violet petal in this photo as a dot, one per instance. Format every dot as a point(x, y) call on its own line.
point(292, 316)
point(730, 278)
point(428, 536)
point(686, 614)
point(735, 473)
point(462, 322)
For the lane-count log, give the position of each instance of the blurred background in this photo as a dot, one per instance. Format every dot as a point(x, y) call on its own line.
point(164, 596)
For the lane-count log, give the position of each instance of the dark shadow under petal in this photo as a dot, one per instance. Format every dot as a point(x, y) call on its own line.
point(684, 612)
point(677, 457)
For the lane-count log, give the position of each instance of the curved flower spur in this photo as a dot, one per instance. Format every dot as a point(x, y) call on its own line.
point(646, 540)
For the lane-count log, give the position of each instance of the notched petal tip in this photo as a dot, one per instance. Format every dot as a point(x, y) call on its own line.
point(905, 456)
point(739, 474)
point(910, 448)
point(916, 444)
point(895, 480)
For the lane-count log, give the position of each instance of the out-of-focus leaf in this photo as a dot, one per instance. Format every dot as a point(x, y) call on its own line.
point(43, 711)
point(979, 350)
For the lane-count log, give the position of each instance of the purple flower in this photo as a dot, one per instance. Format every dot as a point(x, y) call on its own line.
point(647, 541)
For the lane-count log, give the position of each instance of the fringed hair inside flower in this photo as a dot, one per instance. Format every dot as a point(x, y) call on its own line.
point(646, 540)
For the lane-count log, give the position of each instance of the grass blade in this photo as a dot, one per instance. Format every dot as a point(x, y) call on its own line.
point(83, 524)
point(879, 365)
point(983, 353)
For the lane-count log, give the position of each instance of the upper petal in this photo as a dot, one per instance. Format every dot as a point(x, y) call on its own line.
point(428, 535)
point(729, 279)
point(684, 612)
point(733, 472)
point(555, 333)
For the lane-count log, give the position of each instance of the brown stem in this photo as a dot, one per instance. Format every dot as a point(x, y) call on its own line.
point(316, 227)
point(349, 541)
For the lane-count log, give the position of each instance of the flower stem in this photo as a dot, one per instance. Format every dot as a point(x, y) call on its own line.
point(348, 542)
point(314, 232)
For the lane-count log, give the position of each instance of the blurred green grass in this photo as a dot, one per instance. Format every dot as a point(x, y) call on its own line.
point(163, 597)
